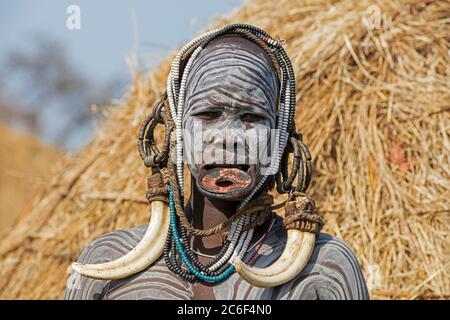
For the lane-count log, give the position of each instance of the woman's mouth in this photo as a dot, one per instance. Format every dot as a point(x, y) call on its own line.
point(225, 179)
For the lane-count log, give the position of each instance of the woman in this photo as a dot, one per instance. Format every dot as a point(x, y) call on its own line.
point(228, 113)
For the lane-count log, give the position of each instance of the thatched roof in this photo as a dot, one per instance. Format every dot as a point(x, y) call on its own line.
point(373, 104)
point(26, 163)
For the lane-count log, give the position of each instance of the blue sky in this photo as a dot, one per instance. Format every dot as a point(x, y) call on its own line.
point(108, 29)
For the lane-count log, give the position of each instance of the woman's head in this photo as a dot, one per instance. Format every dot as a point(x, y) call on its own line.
point(230, 109)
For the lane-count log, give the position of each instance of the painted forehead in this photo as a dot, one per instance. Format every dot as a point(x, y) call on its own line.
point(232, 71)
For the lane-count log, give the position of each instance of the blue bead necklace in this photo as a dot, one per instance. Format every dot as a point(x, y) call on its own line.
point(200, 275)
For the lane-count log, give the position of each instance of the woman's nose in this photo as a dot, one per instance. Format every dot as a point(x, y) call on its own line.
point(234, 143)
point(234, 129)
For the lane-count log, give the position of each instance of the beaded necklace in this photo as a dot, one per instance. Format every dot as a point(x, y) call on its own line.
point(261, 241)
point(257, 244)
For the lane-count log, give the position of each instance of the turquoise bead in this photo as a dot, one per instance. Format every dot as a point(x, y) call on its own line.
point(184, 257)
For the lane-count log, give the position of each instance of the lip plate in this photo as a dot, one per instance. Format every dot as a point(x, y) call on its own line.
point(229, 192)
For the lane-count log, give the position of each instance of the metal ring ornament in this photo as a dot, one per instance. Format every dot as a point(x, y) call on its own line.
point(158, 115)
point(148, 150)
point(301, 167)
point(283, 178)
point(305, 171)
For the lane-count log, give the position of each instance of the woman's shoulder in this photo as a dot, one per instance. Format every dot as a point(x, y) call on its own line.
point(112, 245)
point(327, 246)
point(336, 270)
point(332, 272)
point(105, 248)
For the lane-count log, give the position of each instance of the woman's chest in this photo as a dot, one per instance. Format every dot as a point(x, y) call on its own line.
point(158, 282)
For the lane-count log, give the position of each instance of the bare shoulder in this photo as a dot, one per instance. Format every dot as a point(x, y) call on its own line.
point(333, 272)
point(331, 248)
point(112, 245)
point(105, 248)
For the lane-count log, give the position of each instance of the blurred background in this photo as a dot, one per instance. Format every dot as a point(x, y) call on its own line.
point(57, 74)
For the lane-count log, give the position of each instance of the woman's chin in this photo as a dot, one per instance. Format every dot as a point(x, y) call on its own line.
point(234, 196)
point(228, 193)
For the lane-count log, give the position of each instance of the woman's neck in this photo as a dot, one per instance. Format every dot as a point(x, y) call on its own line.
point(206, 213)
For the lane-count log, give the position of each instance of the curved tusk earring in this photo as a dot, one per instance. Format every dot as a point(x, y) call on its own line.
point(140, 257)
point(302, 227)
point(151, 246)
point(147, 250)
point(302, 224)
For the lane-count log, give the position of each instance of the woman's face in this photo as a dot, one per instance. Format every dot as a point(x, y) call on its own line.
point(230, 111)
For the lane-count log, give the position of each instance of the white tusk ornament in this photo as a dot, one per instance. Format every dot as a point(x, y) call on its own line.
point(140, 257)
point(298, 250)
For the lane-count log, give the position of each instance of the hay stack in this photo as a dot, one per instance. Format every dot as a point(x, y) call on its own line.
point(373, 104)
point(26, 164)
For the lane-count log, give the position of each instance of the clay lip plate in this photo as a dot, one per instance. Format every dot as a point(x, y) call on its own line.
point(226, 179)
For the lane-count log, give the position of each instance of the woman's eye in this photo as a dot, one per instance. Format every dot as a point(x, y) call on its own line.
point(208, 115)
point(251, 117)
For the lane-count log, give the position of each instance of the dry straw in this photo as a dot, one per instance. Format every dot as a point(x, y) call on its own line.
point(373, 104)
point(25, 163)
